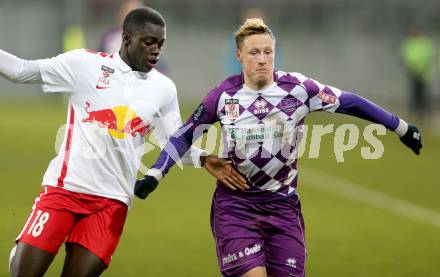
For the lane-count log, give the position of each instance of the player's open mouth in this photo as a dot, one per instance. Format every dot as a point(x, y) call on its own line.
point(152, 63)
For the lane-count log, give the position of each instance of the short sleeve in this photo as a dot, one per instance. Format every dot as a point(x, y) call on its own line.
point(60, 74)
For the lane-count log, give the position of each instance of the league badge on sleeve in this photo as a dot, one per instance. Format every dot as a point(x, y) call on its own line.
point(327, 98)
point(232, 108)
point(199, 112)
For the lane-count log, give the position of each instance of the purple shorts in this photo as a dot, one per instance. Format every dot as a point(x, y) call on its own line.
point(249, 235)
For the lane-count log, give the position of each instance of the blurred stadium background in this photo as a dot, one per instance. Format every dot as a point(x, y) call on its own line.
point(363, 217)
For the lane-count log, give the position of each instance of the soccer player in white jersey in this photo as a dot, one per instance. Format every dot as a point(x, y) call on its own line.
point(259, 232)
point(114, 101)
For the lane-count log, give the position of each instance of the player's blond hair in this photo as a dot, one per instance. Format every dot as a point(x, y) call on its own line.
point(251, 26)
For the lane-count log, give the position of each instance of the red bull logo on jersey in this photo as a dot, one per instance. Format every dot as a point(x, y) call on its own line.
point(120, 121)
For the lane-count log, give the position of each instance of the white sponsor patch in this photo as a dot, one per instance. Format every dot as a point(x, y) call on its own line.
point(259, 133)
point(232, 108)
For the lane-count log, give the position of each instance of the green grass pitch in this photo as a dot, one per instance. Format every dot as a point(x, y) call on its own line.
point(169, 233)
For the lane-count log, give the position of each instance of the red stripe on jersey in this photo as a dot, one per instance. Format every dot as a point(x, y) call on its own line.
point(91, 51)
point(67, 150)
point(102, 54)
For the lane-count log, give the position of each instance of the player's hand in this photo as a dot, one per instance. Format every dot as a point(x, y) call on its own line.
point(413, 139)
point(224, 171)
point(145, 186)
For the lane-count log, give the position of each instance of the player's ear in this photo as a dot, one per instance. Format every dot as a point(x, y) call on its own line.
point(126, 38)
point(238, 55)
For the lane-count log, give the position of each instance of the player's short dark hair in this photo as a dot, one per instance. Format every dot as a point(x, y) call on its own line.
point(137, 18)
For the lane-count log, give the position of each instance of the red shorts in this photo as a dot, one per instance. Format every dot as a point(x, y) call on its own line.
point(94, 222)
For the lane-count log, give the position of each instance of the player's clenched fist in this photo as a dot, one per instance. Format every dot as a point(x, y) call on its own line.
point(413, 139)
point(145, 186)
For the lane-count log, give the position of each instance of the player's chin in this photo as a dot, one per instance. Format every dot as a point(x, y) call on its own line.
point(146, 68)
point(262, 80)
point(149, 65)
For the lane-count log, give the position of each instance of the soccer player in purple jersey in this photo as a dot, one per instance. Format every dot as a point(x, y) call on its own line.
point(259, 231)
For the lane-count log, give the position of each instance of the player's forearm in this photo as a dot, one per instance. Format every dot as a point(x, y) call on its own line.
point(18, 70)
point(174, 150)
point(194, 156)
point(354, 105)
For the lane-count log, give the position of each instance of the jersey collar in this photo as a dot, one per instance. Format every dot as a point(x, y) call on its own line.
point(120, 63)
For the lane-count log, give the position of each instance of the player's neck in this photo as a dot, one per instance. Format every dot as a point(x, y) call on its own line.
point(126, 59)
point(258, 85)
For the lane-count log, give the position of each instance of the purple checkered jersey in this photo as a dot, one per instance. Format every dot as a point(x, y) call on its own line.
point(261, 130)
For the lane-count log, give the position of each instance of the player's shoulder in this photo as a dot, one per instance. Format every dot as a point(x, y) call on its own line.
point(290, 77)
point(91, 55)
point(230, 84)
point(72, 54)
point(85, 56)
point(75, 58)
point(309, 85)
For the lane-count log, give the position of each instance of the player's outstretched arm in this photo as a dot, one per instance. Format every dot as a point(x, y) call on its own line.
point(179, 143)
point(221, 169)
point(355, 105)
point(18, 70)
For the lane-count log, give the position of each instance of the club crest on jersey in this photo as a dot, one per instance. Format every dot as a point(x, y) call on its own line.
point(327, 98)
point(103, 81)
point(260, 107)
point(232, 108)
point(289, 104)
